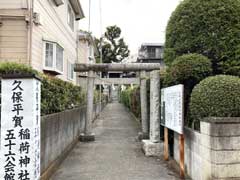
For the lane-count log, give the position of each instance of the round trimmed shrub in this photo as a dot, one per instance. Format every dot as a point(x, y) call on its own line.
point(216, 96)
point(207, 27)
point(188, 69)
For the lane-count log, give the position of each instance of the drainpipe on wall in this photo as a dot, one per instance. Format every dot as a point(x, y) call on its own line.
point(30, 30)
point(77, 61)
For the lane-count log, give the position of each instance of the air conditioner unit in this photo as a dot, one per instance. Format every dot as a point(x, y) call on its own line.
point(36, 18)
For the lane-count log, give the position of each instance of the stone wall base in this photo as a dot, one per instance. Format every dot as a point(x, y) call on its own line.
point(152, 149)
point(87, 137)
point(56, 163)
point(142, 136)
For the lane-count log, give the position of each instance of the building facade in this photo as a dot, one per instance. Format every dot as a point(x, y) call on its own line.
point(86, 48)
point(86, 52)
point(151, 53)
point(41, 34)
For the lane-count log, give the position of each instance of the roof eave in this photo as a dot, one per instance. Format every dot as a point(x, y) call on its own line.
point(77, 8)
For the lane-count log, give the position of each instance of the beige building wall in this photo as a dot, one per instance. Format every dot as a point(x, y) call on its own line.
point(13, 34)
point(83, 51)
point(53, 27)
point(22, 44)
point(13, 4)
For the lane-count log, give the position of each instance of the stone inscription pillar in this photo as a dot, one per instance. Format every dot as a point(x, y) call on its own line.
point(155, 106)
point(153, 146)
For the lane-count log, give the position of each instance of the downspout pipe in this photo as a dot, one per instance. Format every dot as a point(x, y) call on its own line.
point(30, 31)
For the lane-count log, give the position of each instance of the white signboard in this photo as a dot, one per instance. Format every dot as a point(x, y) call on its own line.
point(172, 108)
point(20, 129)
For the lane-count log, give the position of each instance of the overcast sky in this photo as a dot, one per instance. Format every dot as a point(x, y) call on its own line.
point(141, 21)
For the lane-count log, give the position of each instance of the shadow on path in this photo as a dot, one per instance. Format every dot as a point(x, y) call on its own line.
point(115, 155)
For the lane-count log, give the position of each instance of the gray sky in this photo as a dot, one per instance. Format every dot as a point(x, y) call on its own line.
point(141, 21)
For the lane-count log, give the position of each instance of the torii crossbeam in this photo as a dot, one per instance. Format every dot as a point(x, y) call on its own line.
point(126, 67)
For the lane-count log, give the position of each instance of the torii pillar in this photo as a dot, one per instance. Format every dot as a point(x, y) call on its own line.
point(144, 134)
point(88, 135)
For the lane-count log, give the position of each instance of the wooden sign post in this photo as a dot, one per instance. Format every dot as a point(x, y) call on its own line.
point(181, 155)
point(172, 101)
point(166, 154)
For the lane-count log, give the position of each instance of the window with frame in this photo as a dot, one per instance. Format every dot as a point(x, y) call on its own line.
point(70, 17)
point(90, 48)
point(53, 57)
point(70, 70)
point(59, 58)
point(151, 52)
point(159, 53)
point(49, 54)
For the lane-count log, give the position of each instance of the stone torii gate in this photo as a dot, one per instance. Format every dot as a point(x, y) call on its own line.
point(154, 69)
point(118, 81)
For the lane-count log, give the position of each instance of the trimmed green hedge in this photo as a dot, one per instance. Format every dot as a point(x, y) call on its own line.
point(188, 69)
point(14, 68)
point(56, 95)
point(97, 95)
point(131, 99)
point(217, 96)
point(207, 27)
point(125, 97)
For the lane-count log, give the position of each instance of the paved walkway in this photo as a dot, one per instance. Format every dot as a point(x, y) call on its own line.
point(115, 155)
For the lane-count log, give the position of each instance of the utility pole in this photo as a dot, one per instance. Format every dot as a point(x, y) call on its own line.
point(101, 38)
point(89, 15)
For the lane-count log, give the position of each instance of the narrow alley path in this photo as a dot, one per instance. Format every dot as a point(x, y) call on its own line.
point(115, 155)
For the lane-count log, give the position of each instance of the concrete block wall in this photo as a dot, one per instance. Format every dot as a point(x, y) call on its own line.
point(214, 152)
point(59, 134)
point(194, 161)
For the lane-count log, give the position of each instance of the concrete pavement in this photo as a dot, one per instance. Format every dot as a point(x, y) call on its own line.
point(115, 155)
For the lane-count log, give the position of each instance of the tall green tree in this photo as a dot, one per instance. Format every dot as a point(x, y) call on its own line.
point(114, 48)
point(207, 27)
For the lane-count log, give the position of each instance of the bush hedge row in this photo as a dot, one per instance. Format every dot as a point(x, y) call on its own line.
point(217, 96)
point(131, 99)
point(56, 95)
